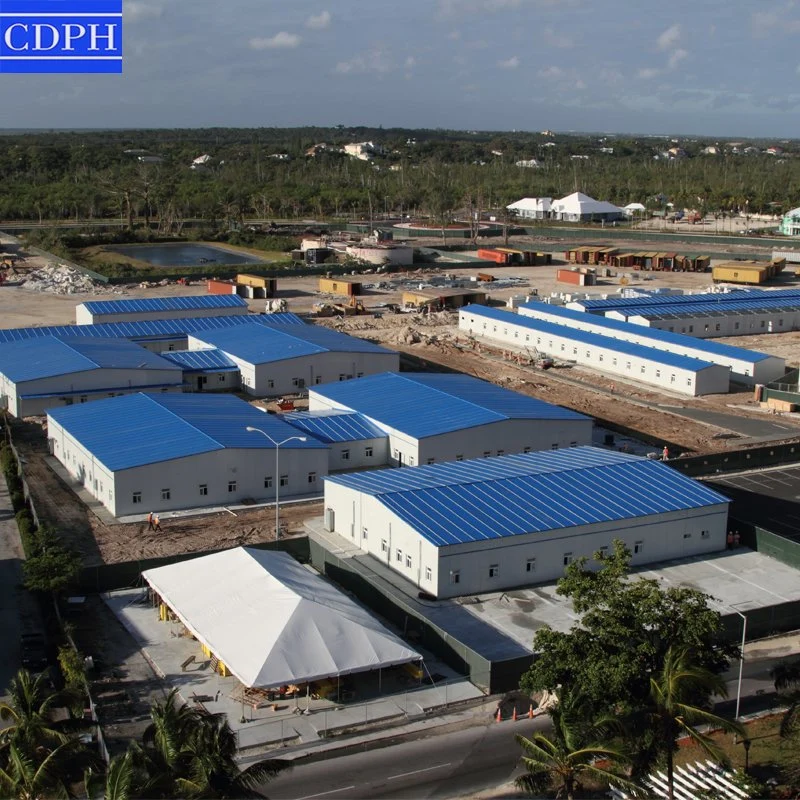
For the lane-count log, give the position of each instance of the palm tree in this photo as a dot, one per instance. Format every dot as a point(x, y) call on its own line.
point(25, 779)
point(188, 752)
point(29, 709)
point(574, 751)
point(787, 683)
point(679, 694)
point(118, 783)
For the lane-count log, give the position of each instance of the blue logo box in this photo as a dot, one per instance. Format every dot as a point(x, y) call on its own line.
point(60, 36)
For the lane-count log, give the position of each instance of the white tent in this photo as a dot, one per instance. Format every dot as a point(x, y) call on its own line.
point(633, 208)
point(273, 622)
point(577, 206)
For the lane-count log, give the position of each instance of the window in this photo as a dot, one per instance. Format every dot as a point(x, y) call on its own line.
point(408, 560)
point(270, 383)
point(530, 565)
point(398, 555)
point(268, 482)
point(494, 570)
point(705, 534)
point(428, 574)
point(346, 454)
point(573, 444)
point(691, 329)
point(600, 357)
point(574, 351)
point(284, 480)
point(411, 461)
point(526, 449)
point(705, 327)
point(84, 398)
point(368, 452)
point(554, 446)
point(687, 535)
point(736, 326)
point(567, 559)
point(363, 533)
point(672, 378)
point(628, 365)
point(780, 322)
point(137, 497)
point(171, 347)
point(455, 576)
point(501, 452)
point(614, 361)
point(638, 547)
point(716, 327)
point(231, 487)
point(604, 550)
point(221, 378)
point(762, 325)
point(165, 494)
point(459, 458)
point(359, 374)
point(658, 373)
point(688, 381)
point(641, 369)
point(203, 489)
point(430, 461)
point(312, 477)
point(588, 354)
point(341, 376)
point(299, 382)
point(486, 453)
point(384, 546)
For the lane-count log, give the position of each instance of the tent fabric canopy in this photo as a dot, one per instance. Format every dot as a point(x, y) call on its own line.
point(273, 622)
point(580, 204)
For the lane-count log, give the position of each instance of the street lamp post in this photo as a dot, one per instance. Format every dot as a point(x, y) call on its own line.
point(277, 477)
point(741, 659)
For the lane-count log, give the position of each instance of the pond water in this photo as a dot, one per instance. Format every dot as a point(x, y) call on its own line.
point(183, 255)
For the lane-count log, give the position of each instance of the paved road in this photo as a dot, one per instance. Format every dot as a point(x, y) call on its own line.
point(460, 762)
point(752, 428)
point(10, 589)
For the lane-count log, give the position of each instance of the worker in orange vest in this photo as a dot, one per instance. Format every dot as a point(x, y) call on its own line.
point(150, 525)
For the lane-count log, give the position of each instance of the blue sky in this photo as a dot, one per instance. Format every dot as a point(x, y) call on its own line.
point(710, 67)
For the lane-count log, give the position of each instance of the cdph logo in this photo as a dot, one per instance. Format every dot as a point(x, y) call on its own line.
point(60, 36)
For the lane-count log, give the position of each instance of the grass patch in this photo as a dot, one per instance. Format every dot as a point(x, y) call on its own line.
point(770, 756)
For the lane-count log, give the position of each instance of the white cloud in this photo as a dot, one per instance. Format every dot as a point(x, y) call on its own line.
point(375, 61)
point(411, 62)
point(579, 84)
point(550, 72)
point(454, 35)
point(648, 73)
point(319, 22)
point(509, 63)
point(669, 38)
point(282, 40)
point(136, 9)
point(675, 57)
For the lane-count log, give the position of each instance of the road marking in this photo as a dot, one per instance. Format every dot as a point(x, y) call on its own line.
point(415, 772)
point(322, 794)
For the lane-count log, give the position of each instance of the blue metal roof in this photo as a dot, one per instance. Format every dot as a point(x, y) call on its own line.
point(335, 426)
point(743, 306)
point(265, 345)
point(421, 404)
point(585, 338)
point(201, 360)
point(139, 429)
point(492, 498)
point(48, 357)
point(600, 305)
point(151, 304)
point(561, 315)
point(148, 329)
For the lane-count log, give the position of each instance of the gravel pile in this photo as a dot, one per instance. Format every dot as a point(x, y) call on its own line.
point(61, 279)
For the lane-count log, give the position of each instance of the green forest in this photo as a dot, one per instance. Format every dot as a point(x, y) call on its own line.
point(88, 175)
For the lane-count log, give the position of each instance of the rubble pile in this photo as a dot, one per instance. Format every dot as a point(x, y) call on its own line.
point(61, 279)
point(408, 335)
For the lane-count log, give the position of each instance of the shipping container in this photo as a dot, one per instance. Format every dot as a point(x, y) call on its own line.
point(576, 277)
point(348, 287)
point(220, 287)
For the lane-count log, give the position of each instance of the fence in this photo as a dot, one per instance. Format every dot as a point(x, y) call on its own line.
point(737, 460)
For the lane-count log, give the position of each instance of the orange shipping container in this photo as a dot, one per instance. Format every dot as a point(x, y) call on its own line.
point(221, 287)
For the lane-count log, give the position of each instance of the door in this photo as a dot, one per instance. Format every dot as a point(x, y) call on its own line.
point(330, 519)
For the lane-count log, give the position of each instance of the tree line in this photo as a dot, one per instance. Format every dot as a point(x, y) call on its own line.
point(89, 175)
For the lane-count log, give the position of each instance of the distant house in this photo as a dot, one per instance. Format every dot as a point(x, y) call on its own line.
point(632, 209)
point(531, 207)
point(316, 148)
point(774, 151)
point(676, 152)
point(529, 163)
point(150, 159)
point(711, 150)
point(280, 156)
point(204, 159)
point(365, 151)
point(790, 223)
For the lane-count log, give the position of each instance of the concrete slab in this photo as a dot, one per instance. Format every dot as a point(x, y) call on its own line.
point(761, 429)
point(378, 701)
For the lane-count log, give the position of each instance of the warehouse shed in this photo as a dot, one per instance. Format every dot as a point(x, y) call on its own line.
point(747, 366)
point(649, 365)
point(355, 441)
point(431, 417)
point(143, 452)
point(39, 374)
point(156, 335)
point(486, 526)
point(285, 359)
point(438, 299)
point(272, 622)
point(93, 312)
